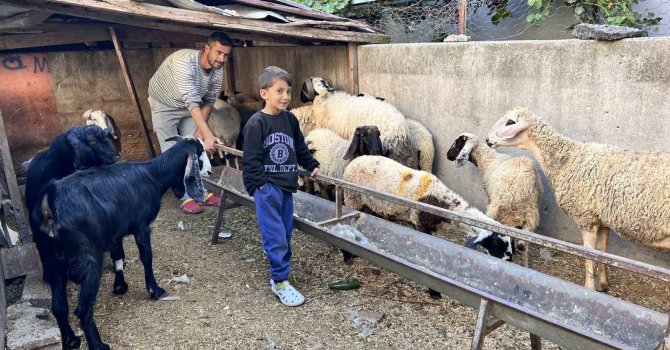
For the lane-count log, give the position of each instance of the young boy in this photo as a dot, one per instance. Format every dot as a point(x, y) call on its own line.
point(273, 148)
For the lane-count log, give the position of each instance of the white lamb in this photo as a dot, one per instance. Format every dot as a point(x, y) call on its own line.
point(599, 186)
point(342, 113)
point(512, 184)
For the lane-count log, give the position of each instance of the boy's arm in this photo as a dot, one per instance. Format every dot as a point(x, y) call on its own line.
point(254, 154)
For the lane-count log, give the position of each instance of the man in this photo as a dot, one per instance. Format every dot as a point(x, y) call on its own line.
point(182, 93)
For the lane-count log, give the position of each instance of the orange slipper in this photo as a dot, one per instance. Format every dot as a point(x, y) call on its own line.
point(212, 200)
point(190, 206)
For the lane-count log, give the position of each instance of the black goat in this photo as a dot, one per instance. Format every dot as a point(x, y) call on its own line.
point(78, 148)
point(89, 212)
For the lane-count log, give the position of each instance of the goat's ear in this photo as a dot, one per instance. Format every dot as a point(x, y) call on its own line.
point(192, 179)
point(174, 138)
point(352, 152)
point(81, 152)
point(87, 114)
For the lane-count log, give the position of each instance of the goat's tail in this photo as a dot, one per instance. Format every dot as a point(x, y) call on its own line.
point(49, 224)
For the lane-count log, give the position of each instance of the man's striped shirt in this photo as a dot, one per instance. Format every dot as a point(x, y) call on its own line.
point(181, 82)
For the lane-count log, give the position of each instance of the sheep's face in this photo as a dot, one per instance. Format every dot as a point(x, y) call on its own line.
point(315, 86)
point(494, 244)
point(101, 119)
point(510, 130)
point(461, 148)
point(366, 141)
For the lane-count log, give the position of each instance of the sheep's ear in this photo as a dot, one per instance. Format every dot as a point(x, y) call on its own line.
point(87, 114)
point(510, 131)
point(307, 93)
point(192, 179)
point(174, 138)
point(479, 239)
point(352, 152)
point(464, 155)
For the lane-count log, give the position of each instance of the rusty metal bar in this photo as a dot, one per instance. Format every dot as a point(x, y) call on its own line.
point(480, 326)
point(219, 217)
point(339, 219)
point(653, 271)
point(462, 15)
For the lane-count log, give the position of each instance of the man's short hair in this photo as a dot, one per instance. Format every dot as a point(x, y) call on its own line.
point(272, 74)
point(221, 38)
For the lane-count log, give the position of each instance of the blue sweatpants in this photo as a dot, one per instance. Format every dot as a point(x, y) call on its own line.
point(274, 211)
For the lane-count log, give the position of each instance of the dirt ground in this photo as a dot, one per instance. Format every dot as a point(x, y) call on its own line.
point(227, 303)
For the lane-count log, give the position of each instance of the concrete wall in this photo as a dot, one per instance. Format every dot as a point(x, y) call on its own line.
point(612, 92)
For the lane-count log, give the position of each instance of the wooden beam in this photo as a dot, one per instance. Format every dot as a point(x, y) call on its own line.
point(230, 75)
point(134, 9)
point(24, 19)
point(352, 61)
point(133, 93)
point(21, 41)
point(289, 9)
point(12, 185)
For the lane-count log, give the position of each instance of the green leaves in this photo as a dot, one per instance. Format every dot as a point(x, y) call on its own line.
point(616, 12)
point(328, 6)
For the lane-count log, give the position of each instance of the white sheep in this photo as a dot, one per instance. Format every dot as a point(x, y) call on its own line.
point(386, 175)
point(512, 184)
point(599, 186)
point(334, 152)
point(424, 143)
point(224, 122)
point(342, 113)
point(422, 139)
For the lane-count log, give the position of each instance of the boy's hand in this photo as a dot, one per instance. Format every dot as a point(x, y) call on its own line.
point(314, 172)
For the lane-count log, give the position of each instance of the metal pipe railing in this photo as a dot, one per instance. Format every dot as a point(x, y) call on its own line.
point(638, 267)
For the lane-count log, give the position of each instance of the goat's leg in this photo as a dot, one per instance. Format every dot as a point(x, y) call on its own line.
point(603, 236)
point(118, 257)
point(60, 309)
point(589, 236)
point(90, 284)
point(143, 240)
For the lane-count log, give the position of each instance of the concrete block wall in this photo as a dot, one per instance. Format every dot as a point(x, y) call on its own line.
point(611, 92)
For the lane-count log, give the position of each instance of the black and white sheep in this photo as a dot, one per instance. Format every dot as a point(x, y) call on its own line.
point(342, 113)
point(512, 184)
point(599, 186)
point(386, 175)
point(90, 211)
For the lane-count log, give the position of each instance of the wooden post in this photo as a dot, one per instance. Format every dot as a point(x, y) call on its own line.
point(133, 93)
point(12, 185)
point(230, 75)
point(480, 327)
point(462, 6)
point(352, 60)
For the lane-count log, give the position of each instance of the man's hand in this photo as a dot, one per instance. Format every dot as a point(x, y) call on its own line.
point(314, 172)
point(210, 141)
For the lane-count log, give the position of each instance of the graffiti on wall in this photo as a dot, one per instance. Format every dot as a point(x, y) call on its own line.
point(37, 63)
point(27, 103)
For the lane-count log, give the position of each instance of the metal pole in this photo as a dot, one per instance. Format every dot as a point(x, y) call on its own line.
point(462, 6)
point(480, 326)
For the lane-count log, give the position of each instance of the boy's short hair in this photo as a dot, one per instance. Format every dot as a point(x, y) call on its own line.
point(221, 38)
point(272, 74)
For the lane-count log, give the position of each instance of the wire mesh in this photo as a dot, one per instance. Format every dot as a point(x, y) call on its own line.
point(433, 20)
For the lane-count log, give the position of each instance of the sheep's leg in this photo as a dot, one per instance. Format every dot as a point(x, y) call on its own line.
point(90, 284)
point(589, 236)
point(603, 236)
point(60, 309)
point(118, 256)
point(143, 240)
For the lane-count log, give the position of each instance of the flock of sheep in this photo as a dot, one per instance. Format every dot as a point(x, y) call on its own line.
point(361, 139)
point(599, 186)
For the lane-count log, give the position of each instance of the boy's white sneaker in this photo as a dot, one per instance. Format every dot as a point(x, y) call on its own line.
point(287, 295)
